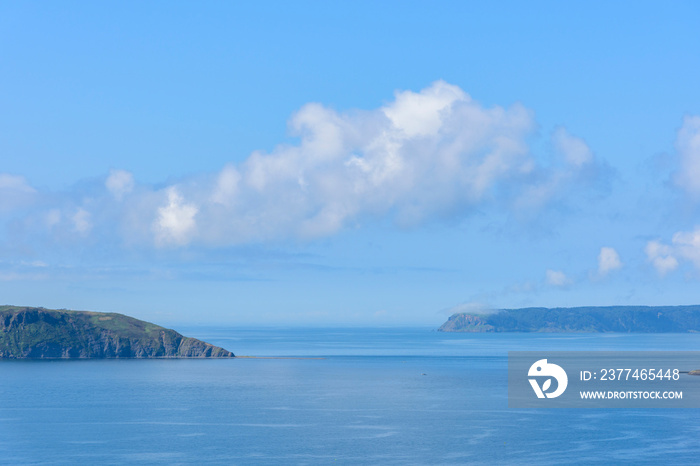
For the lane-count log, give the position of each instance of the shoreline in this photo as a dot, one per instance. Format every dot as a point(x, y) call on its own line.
point(276, 357)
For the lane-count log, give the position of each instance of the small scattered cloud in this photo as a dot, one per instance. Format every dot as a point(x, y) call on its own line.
point(684, 246)
point(608, 260)
point(557, 278)
point(661, 256)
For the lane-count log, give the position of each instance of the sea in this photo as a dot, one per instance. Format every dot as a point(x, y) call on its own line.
point(335, 396)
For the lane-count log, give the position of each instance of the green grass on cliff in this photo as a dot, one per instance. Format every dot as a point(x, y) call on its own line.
point(125, 326)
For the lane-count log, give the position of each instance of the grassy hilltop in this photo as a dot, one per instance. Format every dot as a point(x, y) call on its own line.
point(38, 333)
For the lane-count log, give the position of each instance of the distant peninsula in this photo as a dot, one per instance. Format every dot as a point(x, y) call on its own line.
point(623, 319)
point(38, 333)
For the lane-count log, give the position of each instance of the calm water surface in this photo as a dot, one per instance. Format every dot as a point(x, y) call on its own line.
point(380, 396)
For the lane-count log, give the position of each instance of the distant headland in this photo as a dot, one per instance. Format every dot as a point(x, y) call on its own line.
point(624, 319)
point(38, 333)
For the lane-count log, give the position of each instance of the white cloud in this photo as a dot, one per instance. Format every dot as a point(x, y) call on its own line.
point(423, 113)
point(427, 154)
point(175, 223)
point(557, 278)
point(662, 256)
point(608, 260)
point(119, 183)
point(432, 154)
point(81, 221)
point(685, 246)
point(688, 148)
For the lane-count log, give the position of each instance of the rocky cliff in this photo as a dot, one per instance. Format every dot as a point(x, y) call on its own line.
point(38, 333)
point(463, 322)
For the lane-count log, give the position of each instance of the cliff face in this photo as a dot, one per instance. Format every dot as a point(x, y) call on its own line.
point(466, 323)
point(38, 333)
point(627, 319)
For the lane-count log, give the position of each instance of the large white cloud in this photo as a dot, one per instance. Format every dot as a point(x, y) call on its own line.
point(427, 154)
point(431, 154)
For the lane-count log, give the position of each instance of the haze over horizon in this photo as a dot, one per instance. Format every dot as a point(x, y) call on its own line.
point(347, 163)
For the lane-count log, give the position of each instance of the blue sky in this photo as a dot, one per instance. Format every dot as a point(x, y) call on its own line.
point(349, 163)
